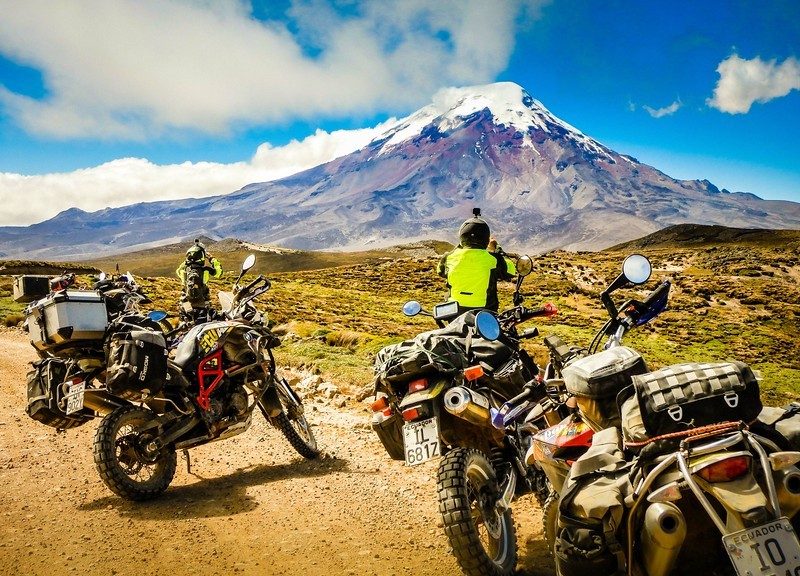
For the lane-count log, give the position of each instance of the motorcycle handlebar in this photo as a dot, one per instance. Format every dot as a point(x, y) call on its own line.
point(245, 289)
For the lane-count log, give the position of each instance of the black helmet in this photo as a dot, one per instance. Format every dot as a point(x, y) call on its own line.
point(195, 254)
point(474, 233)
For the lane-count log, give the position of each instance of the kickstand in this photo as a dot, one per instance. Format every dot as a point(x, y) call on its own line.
point(188, 461)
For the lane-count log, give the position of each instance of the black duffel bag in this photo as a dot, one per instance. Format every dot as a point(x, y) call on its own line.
point(46, 395)
point(685, 396)
point(137, 363)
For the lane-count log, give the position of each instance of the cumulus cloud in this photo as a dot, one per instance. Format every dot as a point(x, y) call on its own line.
point(129, 180)
point(743, 82)
point(665, 111)
point(134, 69)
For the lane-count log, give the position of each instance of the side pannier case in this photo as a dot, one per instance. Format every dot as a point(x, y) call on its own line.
point(47, 401)
point(30, 288)
point(596, 380)
point(137, 363)
point(67, 318)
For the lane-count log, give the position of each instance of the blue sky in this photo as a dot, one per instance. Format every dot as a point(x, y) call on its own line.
point(109, 102)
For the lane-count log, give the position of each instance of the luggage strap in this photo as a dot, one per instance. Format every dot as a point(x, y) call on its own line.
point(694, 433)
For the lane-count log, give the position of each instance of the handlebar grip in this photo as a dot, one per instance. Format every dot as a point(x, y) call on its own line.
point(529, 333)
point(526, 393)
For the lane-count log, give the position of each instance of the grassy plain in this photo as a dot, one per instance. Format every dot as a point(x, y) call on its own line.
point(738, 298)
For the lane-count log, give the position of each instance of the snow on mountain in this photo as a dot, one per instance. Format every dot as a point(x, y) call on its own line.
point(542, 184)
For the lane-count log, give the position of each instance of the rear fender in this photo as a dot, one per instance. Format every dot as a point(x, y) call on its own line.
point(426, 395)
point(737, 496)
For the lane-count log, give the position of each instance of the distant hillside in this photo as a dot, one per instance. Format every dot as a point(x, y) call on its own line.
point(20, 267)
point(698, 235)
point(163, 261)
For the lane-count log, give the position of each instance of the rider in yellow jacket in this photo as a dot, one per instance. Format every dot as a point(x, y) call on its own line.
point(196, 258)
point(471, 270)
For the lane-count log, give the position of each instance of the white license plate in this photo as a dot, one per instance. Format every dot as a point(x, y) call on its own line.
point(421, 441)
point(75, 397)
point(768, 550)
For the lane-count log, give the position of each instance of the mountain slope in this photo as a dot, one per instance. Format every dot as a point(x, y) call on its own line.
point(541, 183)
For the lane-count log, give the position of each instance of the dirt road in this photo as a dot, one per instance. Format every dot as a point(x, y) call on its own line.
point(250, 506)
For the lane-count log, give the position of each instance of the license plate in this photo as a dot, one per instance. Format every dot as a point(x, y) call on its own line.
point(75, 397)
point(768, 550)
point(421, 441)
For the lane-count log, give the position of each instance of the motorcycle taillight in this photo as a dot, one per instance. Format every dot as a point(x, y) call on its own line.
point(417, 385)
point(725, 470)
point(380, 404)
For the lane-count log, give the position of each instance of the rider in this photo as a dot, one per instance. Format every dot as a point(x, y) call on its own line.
point(471, 270)
point(194, 274)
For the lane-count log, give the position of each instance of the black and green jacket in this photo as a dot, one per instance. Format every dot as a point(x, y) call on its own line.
point(472, 275)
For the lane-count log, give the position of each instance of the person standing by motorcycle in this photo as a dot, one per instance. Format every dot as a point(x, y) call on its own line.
point(195, 273)
point(471, 270)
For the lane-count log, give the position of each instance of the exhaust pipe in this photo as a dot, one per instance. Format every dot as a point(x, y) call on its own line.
point(469, 405)
point(663, 533)
point(787, 485)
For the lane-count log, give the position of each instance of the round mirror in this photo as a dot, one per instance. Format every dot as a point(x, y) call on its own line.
point(157, 315)
point(412, 308)
point(636, 269)
point(524, 265)
point(487, 325)
point(249, 262)
point(102, 276)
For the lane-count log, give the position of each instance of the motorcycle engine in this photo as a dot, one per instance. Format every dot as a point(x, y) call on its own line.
point(237, 404)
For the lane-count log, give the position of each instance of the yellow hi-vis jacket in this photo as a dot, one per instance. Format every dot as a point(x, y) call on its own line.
point(472, 275)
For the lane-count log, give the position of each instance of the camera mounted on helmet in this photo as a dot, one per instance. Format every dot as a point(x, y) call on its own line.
point(474, 233)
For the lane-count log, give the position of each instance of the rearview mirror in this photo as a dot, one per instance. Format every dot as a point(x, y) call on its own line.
point(248, 263)
point(157, 315)
point(636, 269)
point(412, 308)
point(524, 265)
point(101, 276)
point(487, 325)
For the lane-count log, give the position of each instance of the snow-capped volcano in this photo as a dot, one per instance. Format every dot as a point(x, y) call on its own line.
point(541, 183)
point(509, 104)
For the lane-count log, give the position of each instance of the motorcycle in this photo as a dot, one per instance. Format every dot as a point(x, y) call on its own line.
point(153, 405)
point(691, 484)
point(433, 399)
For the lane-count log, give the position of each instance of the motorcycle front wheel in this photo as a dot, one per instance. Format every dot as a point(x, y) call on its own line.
point(293, 424)
point(482, 537)
point(122, 459)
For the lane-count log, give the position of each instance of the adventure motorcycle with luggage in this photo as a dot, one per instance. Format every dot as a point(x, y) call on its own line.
point(152, 405)
point(665, 472)
point(434, 394)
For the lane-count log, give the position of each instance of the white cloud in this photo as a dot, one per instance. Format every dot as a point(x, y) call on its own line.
point(28, 199)
point(743, 82)
point(665, 111)
point(133, 69)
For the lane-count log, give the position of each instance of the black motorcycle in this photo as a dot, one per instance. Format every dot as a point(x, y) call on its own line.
point(435, 397)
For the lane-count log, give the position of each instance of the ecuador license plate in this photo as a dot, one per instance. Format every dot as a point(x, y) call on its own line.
point(421, 441)
point(75, 397)
point(771, 549)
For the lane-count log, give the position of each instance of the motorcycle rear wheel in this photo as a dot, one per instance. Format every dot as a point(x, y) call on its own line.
point(483, 538)
point(121, 458)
